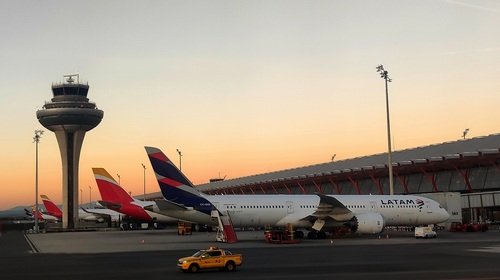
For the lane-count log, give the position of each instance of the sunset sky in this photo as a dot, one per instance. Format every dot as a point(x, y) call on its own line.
point(241, 87)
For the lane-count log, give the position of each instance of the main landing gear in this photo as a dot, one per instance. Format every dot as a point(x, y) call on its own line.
point(316, 235)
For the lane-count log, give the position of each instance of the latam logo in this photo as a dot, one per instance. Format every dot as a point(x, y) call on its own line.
point(418, 202)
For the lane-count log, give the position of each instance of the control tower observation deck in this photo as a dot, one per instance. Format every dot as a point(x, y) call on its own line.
point(70, 115)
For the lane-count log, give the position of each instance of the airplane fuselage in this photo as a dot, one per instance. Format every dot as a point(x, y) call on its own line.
point(303, 210)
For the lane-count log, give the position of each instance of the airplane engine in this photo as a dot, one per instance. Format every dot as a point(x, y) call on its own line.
point(367, 223)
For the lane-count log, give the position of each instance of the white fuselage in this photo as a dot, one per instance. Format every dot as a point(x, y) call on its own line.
point(279, 210)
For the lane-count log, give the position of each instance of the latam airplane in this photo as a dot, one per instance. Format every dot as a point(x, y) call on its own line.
point(365, 214)
point(83, 214)
point(116, 198)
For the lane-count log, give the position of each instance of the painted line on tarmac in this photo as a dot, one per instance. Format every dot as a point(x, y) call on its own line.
point(34, 249)
point(491, 249)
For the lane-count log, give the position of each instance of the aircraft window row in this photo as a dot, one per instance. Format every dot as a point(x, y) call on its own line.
point(356, 206)
point(255, 206)
point(309, 206)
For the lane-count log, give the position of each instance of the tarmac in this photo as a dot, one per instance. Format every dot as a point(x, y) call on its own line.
point(153, 254)
point(112, 241)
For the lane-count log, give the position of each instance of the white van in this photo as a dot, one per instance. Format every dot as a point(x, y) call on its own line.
point(425, 232)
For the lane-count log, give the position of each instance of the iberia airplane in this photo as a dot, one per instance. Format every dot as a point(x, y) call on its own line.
point(40, 215)
point(366, 214)
point(116, 198)
point(83, 214)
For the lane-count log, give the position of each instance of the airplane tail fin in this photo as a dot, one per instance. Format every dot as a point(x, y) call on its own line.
point(50, 206)
point(174, 185)
point(110, 190)
point(37, 212)
point(28, 213)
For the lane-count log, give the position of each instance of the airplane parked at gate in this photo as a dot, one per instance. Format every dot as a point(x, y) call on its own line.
point(41, 215)
point(83, 214)
point(116, 198)
point(366, 214)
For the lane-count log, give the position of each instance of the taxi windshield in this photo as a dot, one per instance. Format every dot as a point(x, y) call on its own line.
point(199, 253)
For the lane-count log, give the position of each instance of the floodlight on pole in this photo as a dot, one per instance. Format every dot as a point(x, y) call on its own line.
point(385, 75)
point(144, 167)
point(465, 133)
point(36, 140)
point(118, 178)
point(180, 159)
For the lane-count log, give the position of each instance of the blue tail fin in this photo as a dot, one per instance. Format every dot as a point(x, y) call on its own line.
point(174, 185)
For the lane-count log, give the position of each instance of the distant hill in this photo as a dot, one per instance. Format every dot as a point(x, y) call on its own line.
point(14, 213)
point(18, 211)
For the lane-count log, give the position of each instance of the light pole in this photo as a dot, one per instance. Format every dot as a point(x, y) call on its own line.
point(465, 133)
point(144, 167)
point(118, 178)
point(36, 139)
point(385, 75)
point(81, 197)
point(90, 197)
point(180, 159)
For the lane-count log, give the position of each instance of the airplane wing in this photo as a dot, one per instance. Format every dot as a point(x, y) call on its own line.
point(331, 208)
point(166, 205)
point(332, 205)
point(99, 214)
point(143, 204)
point(110, 205)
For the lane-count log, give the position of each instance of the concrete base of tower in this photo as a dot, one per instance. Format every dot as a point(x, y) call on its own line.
point(70, 145)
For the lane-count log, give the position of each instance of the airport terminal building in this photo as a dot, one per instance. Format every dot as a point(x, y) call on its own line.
point(469, 168)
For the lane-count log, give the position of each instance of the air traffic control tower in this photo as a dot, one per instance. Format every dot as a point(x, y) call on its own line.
point(70, 115)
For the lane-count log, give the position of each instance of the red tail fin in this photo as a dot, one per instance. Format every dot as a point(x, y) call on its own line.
point(51, 207)
point(110, 190)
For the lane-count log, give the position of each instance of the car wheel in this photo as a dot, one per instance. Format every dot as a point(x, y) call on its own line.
point(194, 268)
point(230, 266)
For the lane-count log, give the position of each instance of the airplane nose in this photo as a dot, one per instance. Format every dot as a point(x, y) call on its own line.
point(445, 215)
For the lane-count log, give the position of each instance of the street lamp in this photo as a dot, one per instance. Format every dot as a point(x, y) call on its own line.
point(385, 75)
point(36, 139)
point(90, 197)
point(144, 167)
point(180, 160)
point(118, 178)
point(81, 196)
point(465, 133)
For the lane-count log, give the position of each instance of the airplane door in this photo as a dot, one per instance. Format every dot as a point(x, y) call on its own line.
point(373, 206)
point(429, 208)
point(289, 207)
